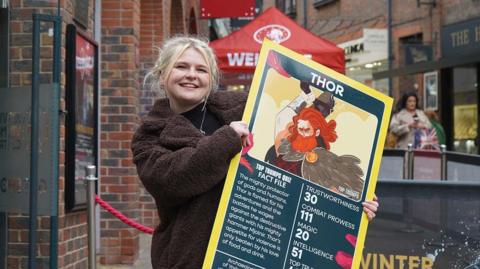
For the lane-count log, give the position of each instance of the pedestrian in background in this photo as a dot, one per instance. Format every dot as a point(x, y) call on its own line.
point(435, 121)
point(407, 120)
point(183, 148)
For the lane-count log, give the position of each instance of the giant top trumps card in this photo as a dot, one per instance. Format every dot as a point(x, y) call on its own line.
point(294, 198)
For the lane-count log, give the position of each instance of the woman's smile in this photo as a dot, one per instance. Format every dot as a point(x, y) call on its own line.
point(188, 83)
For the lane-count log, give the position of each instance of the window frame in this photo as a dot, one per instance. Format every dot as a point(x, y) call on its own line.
point(4, 47)
point(320, 3)
point(290, 7)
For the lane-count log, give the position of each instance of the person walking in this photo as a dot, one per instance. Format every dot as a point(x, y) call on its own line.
point(408, 119)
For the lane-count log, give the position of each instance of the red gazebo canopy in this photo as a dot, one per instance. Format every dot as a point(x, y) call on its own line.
point(238, 52)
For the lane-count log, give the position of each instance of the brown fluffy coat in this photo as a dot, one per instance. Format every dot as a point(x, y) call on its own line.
point(185, 171)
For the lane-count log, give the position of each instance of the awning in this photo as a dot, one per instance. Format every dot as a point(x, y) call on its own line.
point(238, 52)
point(423, 67)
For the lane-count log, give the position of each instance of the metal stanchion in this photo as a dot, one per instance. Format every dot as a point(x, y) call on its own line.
point(443, 163)
point(91, 180)
point(410, 161)
point(407, 204)
point(443, 202)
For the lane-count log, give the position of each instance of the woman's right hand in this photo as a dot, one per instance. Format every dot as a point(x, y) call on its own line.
point(241, 128)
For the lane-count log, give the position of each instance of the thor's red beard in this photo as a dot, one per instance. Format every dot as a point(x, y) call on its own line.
point(303, 144)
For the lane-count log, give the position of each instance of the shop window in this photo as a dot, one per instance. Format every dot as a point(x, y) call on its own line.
point(291, 7)
point(3, 47)
point(321, 3)
point(412, 39)
point(280, 4)
point(465, 109)
point(288, 7)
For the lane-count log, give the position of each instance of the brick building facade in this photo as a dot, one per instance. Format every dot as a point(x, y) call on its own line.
point(72, 238)
point(427, 37)
point(127, 33)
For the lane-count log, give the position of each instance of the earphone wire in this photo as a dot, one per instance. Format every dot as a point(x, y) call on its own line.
point(204, 109)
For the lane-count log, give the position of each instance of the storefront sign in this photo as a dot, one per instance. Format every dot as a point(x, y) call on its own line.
point(294, 198)
point(461, 38)
point(219, 8)
point(371, 47)
point(238, 22)
point(15, 150)
point(81, 121)
point(418, 53)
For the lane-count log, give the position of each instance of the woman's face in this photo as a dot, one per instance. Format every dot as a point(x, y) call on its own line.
point(188, 82)
point(411, 103)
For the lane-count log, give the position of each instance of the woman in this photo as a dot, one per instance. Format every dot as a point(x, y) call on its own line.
point(407, 120)
point(183, 149)
point(435, 121)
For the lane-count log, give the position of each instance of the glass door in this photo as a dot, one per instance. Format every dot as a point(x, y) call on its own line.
point(465, 109)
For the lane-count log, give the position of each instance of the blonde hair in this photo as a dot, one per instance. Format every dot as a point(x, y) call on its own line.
point(171, 50)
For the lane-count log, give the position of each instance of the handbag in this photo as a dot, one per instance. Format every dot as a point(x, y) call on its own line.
point(391, 140)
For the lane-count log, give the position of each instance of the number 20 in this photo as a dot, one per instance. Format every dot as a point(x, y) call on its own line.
point(301, 234)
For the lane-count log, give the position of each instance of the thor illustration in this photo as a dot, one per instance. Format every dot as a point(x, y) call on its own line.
point(302, 145)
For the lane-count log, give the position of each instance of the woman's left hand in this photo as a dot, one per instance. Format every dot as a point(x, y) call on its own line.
point(241, 128)
point(371, 207)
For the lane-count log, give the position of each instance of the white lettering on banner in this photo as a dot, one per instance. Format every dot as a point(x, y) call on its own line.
point(242, 59)
point(385, 261)
point(247, 58)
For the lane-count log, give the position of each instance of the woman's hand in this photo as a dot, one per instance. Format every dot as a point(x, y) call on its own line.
point(371, 207)
point(241, 128)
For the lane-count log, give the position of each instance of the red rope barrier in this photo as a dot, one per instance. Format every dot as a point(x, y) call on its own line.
point(122, 217)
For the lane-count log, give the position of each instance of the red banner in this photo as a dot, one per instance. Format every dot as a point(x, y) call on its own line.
point(224, 8)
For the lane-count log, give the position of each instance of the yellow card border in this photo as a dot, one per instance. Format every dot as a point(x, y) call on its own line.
point(247, 115)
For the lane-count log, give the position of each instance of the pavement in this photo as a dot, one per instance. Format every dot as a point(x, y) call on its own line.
point(143, 261)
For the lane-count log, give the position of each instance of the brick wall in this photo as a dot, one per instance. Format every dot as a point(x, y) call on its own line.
point(72, 226)
point(459, 10)
point(151, 37)
point(119, 105)
point(72, 234)
point(127, 52)
point(344, 20)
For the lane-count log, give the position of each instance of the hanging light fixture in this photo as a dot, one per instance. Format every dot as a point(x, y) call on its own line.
point(4, 3)
point(432, 3)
